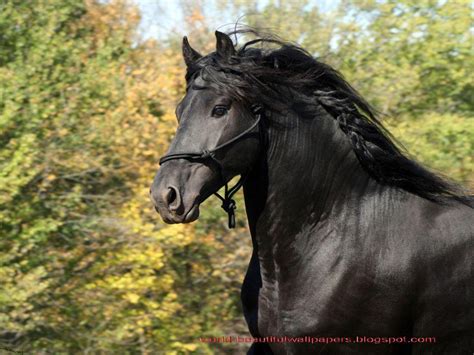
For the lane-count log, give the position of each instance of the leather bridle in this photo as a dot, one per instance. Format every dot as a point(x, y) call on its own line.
point(228, 204)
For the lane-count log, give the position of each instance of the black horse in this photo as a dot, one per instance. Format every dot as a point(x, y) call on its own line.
point(350, 236)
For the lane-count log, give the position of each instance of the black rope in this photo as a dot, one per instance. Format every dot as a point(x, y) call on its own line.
point(228, 204)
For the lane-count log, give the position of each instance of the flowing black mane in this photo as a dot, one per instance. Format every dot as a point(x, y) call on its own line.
point(282, 75)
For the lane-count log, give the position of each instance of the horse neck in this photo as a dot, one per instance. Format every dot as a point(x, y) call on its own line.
point(307, 172)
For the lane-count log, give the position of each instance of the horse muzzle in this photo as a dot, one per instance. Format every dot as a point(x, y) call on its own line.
point(177, 189)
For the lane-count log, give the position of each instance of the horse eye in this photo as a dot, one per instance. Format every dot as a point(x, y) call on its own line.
point(219, 111)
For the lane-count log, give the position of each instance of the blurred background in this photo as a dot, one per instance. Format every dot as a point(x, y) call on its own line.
point(87, 97)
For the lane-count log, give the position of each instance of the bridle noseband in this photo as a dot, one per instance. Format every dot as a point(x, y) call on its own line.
point(228, 204)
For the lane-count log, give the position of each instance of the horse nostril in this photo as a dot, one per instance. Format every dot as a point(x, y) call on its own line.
point(171, 196)
point(173, 199)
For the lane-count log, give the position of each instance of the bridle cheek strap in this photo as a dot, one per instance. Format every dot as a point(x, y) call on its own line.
point(228, 204)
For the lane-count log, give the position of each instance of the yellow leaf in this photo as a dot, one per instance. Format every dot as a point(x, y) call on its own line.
point(132, 297)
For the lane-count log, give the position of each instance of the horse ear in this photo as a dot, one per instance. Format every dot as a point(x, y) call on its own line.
point(189, 54)
point(224, 46)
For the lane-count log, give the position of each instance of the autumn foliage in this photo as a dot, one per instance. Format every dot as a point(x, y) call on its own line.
point(86, 109)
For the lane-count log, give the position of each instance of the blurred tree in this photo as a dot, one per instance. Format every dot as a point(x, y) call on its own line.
point(86, 109)
point(411, 56)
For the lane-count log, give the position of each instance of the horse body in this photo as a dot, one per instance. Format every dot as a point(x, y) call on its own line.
point(408, 279)
point(351, 257)
point(351, 237)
